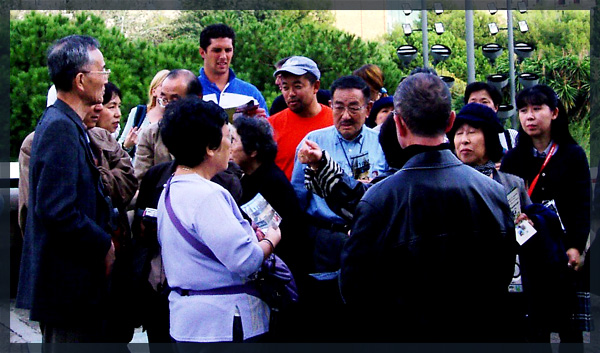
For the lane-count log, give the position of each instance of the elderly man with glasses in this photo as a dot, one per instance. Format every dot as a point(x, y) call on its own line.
point(151, 151)
point(356, 149)
point(68, 253)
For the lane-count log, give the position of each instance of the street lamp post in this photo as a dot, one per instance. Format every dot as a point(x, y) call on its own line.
point(523, 51)
point(470, 41)
point(424, 30)
point(511, 58)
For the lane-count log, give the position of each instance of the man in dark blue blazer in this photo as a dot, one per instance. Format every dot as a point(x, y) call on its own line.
point(67, 250)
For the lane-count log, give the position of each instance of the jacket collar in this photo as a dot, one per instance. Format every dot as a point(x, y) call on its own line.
point(101, 138)
point(71, 114)
point(83, 134)
point(204, 77)
point(424, 157)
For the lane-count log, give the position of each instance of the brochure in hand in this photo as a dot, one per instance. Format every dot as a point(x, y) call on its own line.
point(244, 108)
point(262, 213)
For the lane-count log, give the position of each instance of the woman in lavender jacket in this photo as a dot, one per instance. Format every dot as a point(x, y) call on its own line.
point(197, 134)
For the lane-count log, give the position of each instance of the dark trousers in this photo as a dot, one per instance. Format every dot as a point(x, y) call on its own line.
point(118, 326)
point(322, 311)
point(327, 247)
point(88, 336)
point(238, 337)
point(156, 322)
point(80, 333)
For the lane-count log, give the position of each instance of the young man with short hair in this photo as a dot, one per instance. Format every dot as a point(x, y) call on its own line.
point(300, 82)
point(219, 83)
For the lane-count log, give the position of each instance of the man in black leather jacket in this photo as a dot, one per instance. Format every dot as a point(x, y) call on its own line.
point(431, 251)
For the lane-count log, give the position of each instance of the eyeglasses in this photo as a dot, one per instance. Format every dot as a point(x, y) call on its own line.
point(163, 102)
point(353, 110)
point(103, 72)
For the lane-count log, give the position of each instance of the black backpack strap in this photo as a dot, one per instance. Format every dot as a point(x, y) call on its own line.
point(140, 114)
point(508, 139)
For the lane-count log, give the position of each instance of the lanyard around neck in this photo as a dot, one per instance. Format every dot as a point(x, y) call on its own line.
point(344, 150)
point(535, 180)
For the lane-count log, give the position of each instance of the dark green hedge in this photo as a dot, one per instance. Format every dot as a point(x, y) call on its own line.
point(263, 37)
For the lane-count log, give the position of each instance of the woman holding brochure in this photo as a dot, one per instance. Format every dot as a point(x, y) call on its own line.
point(254, 149)
point(209, 250)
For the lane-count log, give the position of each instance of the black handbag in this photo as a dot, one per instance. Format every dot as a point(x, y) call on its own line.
point(276, 283)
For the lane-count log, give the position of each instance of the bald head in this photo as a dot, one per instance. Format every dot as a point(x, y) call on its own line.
point(190, 84)
point(179, 84)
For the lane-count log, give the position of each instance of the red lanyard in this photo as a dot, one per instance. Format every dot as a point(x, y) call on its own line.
point(532, 186)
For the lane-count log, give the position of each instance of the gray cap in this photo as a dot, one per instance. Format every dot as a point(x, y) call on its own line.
point(299, 65)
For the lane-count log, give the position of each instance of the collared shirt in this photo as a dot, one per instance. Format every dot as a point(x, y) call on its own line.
point(235, 93)
point(342, 151)
point(538, 154)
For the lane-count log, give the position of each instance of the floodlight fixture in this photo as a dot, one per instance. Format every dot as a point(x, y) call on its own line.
point(439, 28)
point(523, 50)
point(406, 9)
point(505, 112)
point(406, 54)
point(407, 29)
point(492, 8)
point(437, 8)
point(493, 28)
point(522, 6)
point(527, 79)
point(498, 80)
point(448, 80)
point(492, 51)
point(440, 53)
point(523, 27)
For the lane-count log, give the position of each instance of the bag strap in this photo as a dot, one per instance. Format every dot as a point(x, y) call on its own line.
point(140, 114)
point(535, 180)
point(247, 288)
point(508, 139)
point(197, 244)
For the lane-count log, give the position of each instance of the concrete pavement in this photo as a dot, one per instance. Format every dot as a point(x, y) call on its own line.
point(22, 330)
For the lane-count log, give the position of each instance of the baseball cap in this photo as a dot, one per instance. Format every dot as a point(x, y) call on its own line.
point(299, 65)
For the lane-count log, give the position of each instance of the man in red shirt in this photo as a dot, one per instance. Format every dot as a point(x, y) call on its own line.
point(300, 82)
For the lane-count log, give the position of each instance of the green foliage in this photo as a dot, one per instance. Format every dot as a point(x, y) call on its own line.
point(580, 130)
point(133, 64)
point(264, 36)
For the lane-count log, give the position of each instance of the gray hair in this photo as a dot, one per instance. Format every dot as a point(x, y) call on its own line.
point(424, 103)
point(67, 57)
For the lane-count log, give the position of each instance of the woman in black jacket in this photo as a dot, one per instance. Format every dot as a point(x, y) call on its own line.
point(556, 172)
point(253, 149)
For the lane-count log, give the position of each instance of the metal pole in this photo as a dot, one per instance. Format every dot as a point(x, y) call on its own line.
point(424, 30)
point(511, 59)
point(470, 41)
